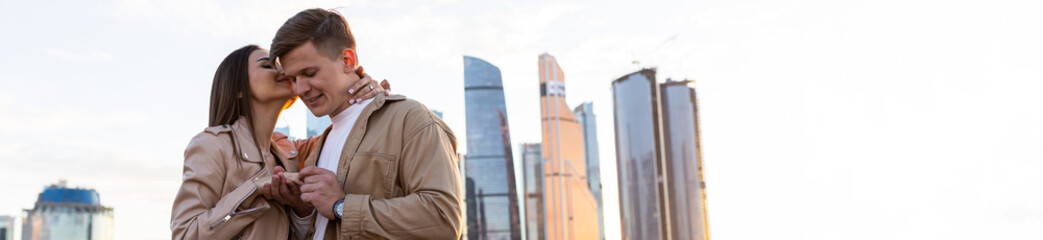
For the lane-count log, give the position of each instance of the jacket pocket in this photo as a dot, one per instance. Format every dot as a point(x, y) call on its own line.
point(375, 172)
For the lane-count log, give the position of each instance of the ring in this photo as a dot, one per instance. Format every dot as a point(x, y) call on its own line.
point(370, 86)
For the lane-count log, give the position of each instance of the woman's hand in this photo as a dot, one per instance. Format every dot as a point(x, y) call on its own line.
point(366, 88)
point(286, 192)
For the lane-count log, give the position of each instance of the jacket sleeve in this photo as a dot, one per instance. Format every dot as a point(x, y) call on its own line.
point(304, 148)
point(431, 210)
point(200, 210)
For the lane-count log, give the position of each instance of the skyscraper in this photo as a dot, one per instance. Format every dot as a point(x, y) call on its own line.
point(585, 114)
point(567, 199)
point(67, 213)
point(532, 168)
point(642, 200)
point(490, 165)
point(683, 161)
point(661, 187)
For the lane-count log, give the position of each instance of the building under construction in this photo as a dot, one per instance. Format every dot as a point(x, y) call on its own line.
point(62, 212)
point(662, 194)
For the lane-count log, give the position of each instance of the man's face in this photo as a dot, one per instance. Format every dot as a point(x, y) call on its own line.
point(322, 83)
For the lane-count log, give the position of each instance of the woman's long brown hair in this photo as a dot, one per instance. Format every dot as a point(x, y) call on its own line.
point(230, 94)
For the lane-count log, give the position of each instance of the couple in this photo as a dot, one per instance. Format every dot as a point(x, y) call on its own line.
point(385, 169)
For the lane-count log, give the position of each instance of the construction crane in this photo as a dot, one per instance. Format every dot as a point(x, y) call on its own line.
point(637, 61)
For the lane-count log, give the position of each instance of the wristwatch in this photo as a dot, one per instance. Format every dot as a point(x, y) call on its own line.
point(338, 209)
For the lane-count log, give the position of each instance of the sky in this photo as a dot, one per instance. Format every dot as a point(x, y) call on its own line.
point(910, 119)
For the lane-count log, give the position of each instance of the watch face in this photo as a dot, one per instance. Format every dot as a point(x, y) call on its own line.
point(339, 207)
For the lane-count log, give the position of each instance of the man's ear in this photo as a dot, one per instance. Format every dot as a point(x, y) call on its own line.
point(350, 60)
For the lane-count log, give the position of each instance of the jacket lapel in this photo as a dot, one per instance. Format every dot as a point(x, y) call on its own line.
point(244, 141)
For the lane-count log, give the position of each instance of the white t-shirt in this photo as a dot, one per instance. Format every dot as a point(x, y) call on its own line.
point(329, 158)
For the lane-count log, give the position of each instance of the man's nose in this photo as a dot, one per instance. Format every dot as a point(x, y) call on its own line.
point(301, 86)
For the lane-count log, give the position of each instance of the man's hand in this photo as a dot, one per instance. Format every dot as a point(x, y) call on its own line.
point(286, 192)
point(321, 189)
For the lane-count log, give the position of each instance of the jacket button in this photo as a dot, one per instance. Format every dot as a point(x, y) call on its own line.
point(245, 156)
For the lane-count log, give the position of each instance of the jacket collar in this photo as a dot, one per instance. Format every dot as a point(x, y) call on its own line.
point(282, 146)
point(244, 141)
point(378, 102)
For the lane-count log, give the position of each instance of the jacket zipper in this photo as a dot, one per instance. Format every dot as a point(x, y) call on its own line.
point(233, 213)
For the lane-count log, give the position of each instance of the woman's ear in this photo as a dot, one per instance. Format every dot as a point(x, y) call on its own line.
point(350, 60)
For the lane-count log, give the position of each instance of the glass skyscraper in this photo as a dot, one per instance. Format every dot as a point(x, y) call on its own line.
point(532, 168)
point(639, 160)
point(661, 187)
point(681, 137)
point(585, 115)
point(490, 166)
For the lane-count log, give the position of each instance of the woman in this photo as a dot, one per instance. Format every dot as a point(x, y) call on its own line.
point(227, 165)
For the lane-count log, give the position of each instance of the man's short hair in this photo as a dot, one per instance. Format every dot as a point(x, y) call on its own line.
point(326, 29)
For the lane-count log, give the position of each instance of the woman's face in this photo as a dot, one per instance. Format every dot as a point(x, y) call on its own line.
point(264, 87)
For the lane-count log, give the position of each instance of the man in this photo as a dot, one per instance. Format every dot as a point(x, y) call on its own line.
point(386, 167)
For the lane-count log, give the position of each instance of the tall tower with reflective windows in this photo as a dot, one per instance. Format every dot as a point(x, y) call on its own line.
point(686, 187)
point(532, 178)
point(585, 115)
point(568, 203)
point(642, 192)
point(661, 188)
point(489, 163)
